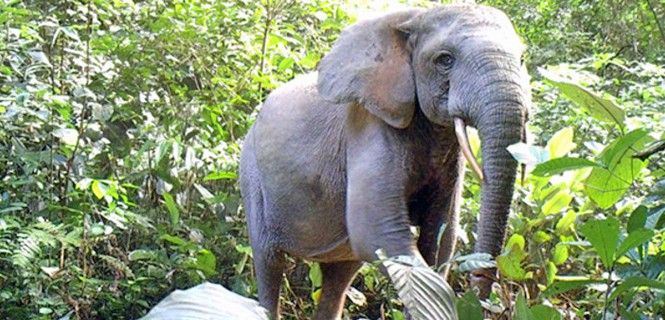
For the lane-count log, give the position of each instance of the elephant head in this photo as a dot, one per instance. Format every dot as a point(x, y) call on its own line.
point(461, 65)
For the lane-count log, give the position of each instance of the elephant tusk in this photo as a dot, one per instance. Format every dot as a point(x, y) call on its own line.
point(463, 140)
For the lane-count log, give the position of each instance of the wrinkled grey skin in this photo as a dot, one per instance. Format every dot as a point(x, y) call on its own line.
point(341, 163)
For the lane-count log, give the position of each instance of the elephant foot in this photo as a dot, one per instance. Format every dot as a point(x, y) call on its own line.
point(482, 279)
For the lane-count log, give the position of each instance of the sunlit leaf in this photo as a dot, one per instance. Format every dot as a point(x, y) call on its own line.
point(598, 107)
point(99, 189)
point(172, 207)
point(558, 202)
point(561, 165)
point(634, 239)
point(529, 155)
point(604, 237)
point(561, 143)
point(221, 175)
point(560, 254)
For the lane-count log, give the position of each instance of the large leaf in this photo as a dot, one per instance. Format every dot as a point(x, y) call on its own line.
point(564, 285)
point(172, 207)
point(637, 219)
point(557, 203)
point(619, 149)
point(598, 107)
point(634, 239)
point(475, 261)
point(605, 186)
point(560, 165)
point(636, 282)
point(206, 262)
point(561, 143)
point(604, 237)
point(510, 264)
point(469, 307)
point(529, 155)
point(522, 311)
point(543, 312)
point(424, 292)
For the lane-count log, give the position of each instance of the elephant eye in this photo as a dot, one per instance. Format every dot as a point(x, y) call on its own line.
point(445, 59)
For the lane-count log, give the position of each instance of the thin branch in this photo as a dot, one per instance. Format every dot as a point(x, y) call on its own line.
point(655, 16)
point(655, 148)
point(84, 117)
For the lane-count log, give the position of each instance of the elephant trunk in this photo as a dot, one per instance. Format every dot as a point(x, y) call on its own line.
point(500, 120)
point(498, 129)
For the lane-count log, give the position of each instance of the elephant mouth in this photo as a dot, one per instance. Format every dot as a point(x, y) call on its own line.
point(463, 140)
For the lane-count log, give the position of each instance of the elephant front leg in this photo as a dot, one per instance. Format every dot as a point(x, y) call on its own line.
point(376, 211)
point(440, 209)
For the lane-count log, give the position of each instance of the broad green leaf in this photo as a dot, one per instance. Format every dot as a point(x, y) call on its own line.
point(469, 308)
point(618, 150)
point(206, 262)
point(142, 254)
point(172, 206)
point(634, 239)
point(99, 189)
point(542, 312)
point(565, 286)
point(173, 239)
point(560, 254)
point(510, 264)
point(516, 240)
point(529, 155)
point(606, 186)
point(424, 292)
point(598, 107)
point(655, 218)
point(604, 237)
point(550, 272)
point(541, 237)
point(636, 282)
point(522, 311)
point(310, 60)
point(287, 63)
point(315, 275)
point(561, 143)
point(637, 219)
point(560, 165)
point(566, 222)
point(558, 202)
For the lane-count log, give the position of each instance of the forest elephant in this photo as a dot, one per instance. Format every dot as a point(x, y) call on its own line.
point(343, 162)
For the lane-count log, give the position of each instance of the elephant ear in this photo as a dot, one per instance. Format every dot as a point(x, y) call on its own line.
point(370, 64)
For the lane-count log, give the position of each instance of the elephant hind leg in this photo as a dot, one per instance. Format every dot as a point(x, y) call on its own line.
point(337, 278)
point(269, 267)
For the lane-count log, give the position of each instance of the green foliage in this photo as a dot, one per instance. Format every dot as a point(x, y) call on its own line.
point(122, 123)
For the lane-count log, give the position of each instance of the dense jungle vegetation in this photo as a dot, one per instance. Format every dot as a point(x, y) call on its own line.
point(121, 123)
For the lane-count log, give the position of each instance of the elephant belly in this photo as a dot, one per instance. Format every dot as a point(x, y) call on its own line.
point(307, 221)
